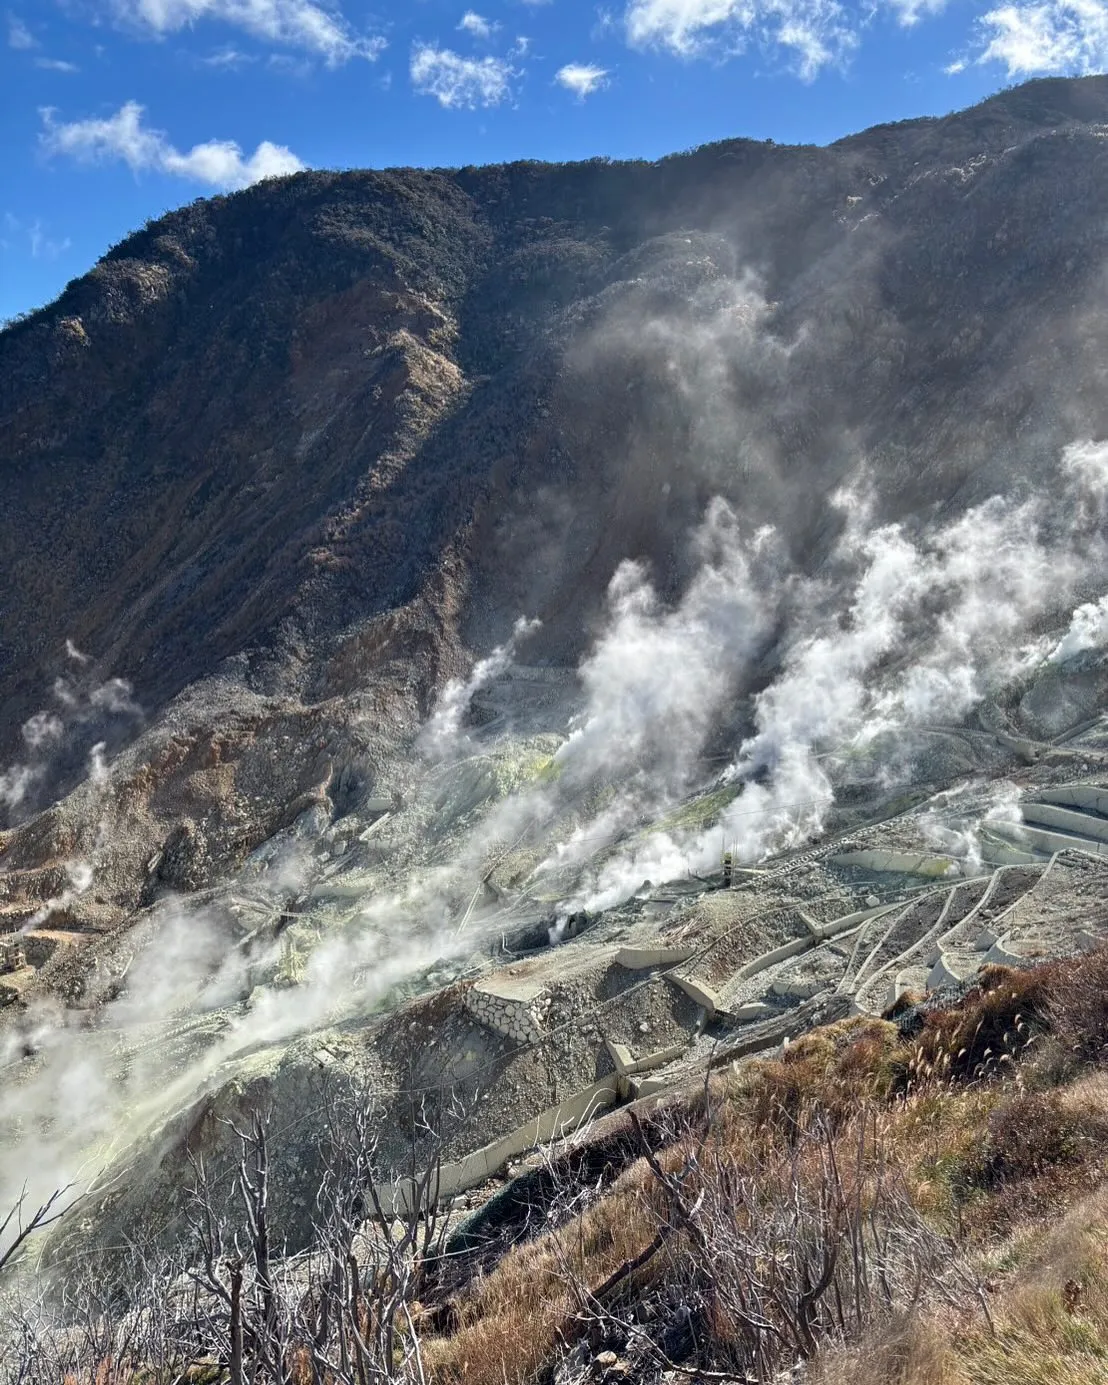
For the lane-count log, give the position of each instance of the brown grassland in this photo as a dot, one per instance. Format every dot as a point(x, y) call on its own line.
point(987, 1128)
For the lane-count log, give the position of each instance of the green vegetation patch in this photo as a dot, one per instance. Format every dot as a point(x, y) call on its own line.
point(699, 812)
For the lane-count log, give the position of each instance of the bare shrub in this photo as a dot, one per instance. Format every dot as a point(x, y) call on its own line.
point(818, 1244)
point(759, 1261)
point(232, 1307)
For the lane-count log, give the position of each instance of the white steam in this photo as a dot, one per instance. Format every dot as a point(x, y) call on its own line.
point(952, 826)
point(1088, 630)
point(657, 681)
point(443, 737)
point(899, 631)
point(84, 709)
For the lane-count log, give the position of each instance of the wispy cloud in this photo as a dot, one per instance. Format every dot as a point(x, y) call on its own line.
point(457, 82)
point(19, 36)
point(124, 137)
point(227, 58)
point(56, 65)
point(909, 12)
point(318, 29)
point(44, 247)
point(1061, 36)
point(814, 34)
point(41, 245)
point(477, 25)
point(582, 78)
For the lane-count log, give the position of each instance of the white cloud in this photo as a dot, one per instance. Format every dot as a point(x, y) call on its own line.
point(816, 32)
point(1064, 36)
point(910, 12)
point(42, 247)
point(314, 28)
point(455, 81)
point(477, 25)
point(581, 78)
point(952, 69)
point(217, 163)
point(19, 36)
point(681, 25)
point(56, 65)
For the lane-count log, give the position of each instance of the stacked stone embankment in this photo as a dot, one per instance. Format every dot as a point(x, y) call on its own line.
point(514, 1008)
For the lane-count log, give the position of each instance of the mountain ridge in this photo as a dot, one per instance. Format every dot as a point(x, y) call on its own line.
point(329, 437)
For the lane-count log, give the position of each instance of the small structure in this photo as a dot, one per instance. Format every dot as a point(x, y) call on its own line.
point(13, 955)
point(513, 1007)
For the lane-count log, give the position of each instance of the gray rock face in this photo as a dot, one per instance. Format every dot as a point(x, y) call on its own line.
point(309, 424)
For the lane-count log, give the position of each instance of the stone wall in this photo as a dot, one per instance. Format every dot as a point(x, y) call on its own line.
point(516, 1012)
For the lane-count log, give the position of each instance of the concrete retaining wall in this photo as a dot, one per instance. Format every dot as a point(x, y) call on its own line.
point(837, 927)
point(1007, 953)
point(996, 851)
point(1043, 840)
point(1066, 820)
point(639, 1087)
point(903, 862)
point(698, 993)
point(770, 959)
point(950, 970)
point(823, 932)
point(907, 979)
point(1091, 796)
point(484, 1163)
point(752, 1010)
point(925, 951)
point(627, 1066)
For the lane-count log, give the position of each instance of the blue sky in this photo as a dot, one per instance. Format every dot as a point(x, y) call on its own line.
point(116, 110)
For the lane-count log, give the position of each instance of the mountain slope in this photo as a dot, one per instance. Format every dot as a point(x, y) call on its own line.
point(270, 418)
point(406, 569)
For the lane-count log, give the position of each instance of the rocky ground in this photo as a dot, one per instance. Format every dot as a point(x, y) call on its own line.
point(321, 965)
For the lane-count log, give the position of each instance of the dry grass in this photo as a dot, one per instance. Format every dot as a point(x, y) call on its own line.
point(1049, 1313)
point(982, 1156)
point(837, 1069)
point(906, 1351)
point(511, 1321)
point(1076, 1005)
